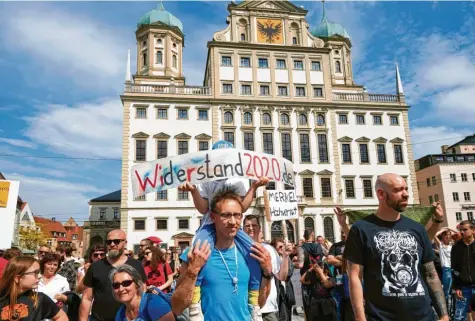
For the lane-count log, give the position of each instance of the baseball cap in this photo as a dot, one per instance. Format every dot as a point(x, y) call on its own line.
point(222, 144)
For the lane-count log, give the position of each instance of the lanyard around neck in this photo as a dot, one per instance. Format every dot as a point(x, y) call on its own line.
point(235, 278)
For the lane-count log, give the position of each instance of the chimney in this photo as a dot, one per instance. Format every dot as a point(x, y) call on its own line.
point(444, 148)
point(53, 219)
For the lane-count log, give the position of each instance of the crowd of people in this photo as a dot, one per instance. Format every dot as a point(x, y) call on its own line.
point(384, 268)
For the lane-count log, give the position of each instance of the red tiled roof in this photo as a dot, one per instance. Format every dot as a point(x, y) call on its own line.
point(74, 230)
point(49, 226)
point(23, 205)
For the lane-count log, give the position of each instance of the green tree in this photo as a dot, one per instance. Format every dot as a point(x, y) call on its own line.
point(31, 238)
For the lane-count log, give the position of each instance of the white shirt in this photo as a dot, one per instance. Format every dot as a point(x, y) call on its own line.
point(271, 303)
point(58, 284)
point(444, 253)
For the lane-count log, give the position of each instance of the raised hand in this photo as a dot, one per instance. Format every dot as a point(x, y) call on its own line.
point(187, 187)
point(340, 215)
point(439, 211)
point(198, 255)
point(262, 181)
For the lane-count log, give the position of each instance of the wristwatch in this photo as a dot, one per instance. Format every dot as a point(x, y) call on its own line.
point(435, 220)
point(268, 277)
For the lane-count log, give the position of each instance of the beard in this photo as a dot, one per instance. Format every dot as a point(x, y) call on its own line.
point(115, 254)
point(396, 204)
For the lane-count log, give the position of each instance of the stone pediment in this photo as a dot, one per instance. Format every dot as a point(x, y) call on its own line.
point(325, 172)
point(203, 137)
point(161, 135)
point(182, 136)
point(380, 140)
point(307, 172)
point(397, 140)
point(183, 235)
point(363, 139)
point(345, 139)
point(271, 6)
point(140, 135)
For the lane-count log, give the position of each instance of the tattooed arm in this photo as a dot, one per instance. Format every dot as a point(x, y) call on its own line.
point(300, 256)
point(435, 290)
point(356, 290)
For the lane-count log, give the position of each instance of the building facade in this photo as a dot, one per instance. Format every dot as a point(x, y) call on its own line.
point(273, 83)
point(449, 177)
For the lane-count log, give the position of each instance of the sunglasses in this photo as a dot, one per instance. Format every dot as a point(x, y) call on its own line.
point(99, 254)
point(35, 273)
point(125, 284)
point(42, 252)
point(128, 255)
point(116, 242)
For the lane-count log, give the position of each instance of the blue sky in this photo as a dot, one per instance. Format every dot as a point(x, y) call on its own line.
point(62, 67)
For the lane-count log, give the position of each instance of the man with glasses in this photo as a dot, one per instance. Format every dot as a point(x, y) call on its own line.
point(42, 251)
point(280, 268)
point(142, 246)
point(97, 285)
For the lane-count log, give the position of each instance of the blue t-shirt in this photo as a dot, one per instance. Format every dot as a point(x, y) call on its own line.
point(218, 302)
point(152, 308)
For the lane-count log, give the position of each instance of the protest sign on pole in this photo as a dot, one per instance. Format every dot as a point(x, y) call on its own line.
point(282, 205)
point(206, 166)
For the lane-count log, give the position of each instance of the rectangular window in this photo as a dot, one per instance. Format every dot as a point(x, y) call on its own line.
point(350, 188)
point(283, 91)
point(394, 120)
point(182, 195)
point(246, 90)
point(162, 224)
point(162, 195)
point(162, 113)
point(398, 157)
point(116, 213)
point(367, 188)
point(346, 153)
point(463, 176)
point(458, 216)
point(317, 92)
point(249, 141)
point(343, 119)
point(141, 112)
point(229, 136)
point(470, 216)
point(436, 197)
point(288, 187)
point(203, 145)
point(227, 88)
point(245, 62)
point(466, 196)
point(305, 148)
point(316, 66)
point(270, 186)
point(263, 63)
point(434, 180)
point(360, 119)
point(377, 120)
point(183, 224)
point(140, 150)
point(140, 198)
point(364, 156)
point(455, 196)
point(428, 181)
point(264, 90)
point(182, 147)
point(326, 187)
point(139, 225)
point(182, 113)
point(102, 213)
point(280, 64)
point(453, 178)
point(162, 149)
point(300, 91)
point(298, 64)
point(202, 114)
point(268, 143)
point(286, 146)
point(226, 61)
point(322, 148)
point(431, 200)
point(381, 148)
point(307, 183)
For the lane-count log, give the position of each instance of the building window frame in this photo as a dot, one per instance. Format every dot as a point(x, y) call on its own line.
point(182, 113)
point(278, 62)
point(349, 183)
point(161, 220)
point(264, 90)
point(228, 118)
point(246, 89)
point(455, 197)
point(467, 197)
point(268, 137)
point(304, 143)
point(227, 88)
point(346, 157)
point(318, 91)
point(183, 223)
point(206, 114)
point(458, 216)
point(226, 61)
point(342, 118)
point(381, 153)
point(264, 121)
point(360, 119)
point(137, 220)
point(141, 112)
point(393, 120)
point(316, 65)
point(143, 150)
point(298, 64)
point(246, 60)
point(326, 193)
point(229, 135)
point(286, 145)
point(262, 63)
point(300, 91)
point(398, 155)
point(161, 195)
point(367, 188)
point(378, 117)
point(308, 191)
point(246, 144)
point(183, 195)
point(281, 92)
point(322, 147)
point(181, 148)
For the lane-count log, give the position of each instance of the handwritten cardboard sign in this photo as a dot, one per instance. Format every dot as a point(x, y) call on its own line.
point(4, 191)
point(283, 205)
point(206, 166)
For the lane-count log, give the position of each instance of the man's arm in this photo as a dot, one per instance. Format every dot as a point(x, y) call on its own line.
point(333, 260)
point(261, 255)
point(264, 291)
point(356, 290)
point(249, 197)
point(300, 257)
point(341, 216)
point(284, 268)
point(435, 290)
point(438, 215)
point(181, 298)
point(86, 303)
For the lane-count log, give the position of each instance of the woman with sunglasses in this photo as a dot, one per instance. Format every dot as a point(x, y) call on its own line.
point(285, 292)
point(158, 271)
point(127, 288)
point(18, 299)
point(96, 253)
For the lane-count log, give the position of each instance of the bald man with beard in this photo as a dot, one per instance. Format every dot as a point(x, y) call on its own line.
point(97, 286)
point(396, 258)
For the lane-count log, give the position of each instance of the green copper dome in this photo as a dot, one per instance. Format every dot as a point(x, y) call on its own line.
point(160, 15)
point(327, 29)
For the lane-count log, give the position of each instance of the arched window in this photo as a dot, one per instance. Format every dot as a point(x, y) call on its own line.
point(243, 29)
point(320, 120)
point(159, 41)
point(174, 45)
point(266, 119)
point(159, 57)
point(174, 61)
point(337, 66)
point(309, 224)
point(303, 120)
point(295, 33)
point(285, 119)
point(276, 230)
point(144, 62)
point(294, 40)
point(328, 229)
point(247, 118)
point(243, 37)
point(228, 117)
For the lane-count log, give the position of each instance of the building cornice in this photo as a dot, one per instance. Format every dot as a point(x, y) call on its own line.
point(260, 46)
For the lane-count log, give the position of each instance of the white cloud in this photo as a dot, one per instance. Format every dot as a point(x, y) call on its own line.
point(17, 167)
point(84, 130)
point(428, 140)
point(17, 142)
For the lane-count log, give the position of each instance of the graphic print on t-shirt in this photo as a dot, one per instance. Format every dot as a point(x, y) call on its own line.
point(21, 311)
point(399, 263)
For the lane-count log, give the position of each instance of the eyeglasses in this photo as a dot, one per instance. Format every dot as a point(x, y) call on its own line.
point(116, 241)
point(36, 273)
point(228, 215)
point(280, 247)
point(254, 226)
point(98, 254)
point(128, 254)
point(125, 284)
point(42, 252)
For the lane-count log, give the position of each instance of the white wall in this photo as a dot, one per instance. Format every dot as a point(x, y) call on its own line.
point(245, 74)
point(226, 73)
point(8, 215)
point(298, 77)
point(281, 76)
point(316, 77)
point(263, 75)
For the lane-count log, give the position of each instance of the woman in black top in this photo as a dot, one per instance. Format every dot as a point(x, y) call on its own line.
point(18, 300)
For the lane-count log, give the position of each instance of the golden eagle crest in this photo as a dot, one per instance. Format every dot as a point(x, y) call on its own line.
point(269, 30)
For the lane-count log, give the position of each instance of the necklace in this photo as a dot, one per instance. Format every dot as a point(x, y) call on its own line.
point(234, 279)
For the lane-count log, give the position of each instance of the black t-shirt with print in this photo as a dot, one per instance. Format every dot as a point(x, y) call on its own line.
point(392, 254)
point(46, 308)
point(105, 306)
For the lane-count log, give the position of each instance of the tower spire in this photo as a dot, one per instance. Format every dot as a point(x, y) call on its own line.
point(399, 89)
point(160, 6)
point(128, 74)
point(324, 16)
